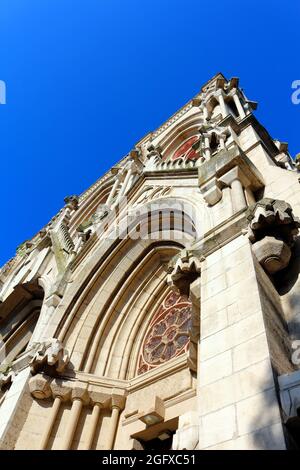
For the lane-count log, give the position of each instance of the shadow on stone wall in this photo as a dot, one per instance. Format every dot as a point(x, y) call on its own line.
point(270, 434)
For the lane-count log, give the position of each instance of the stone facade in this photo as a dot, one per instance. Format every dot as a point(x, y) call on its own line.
point(160, 308)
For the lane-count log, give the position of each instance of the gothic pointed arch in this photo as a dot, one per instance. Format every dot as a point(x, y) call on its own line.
point(19, 314)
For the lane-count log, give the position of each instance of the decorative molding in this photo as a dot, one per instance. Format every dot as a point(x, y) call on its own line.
point(272, 230)
point(49, 354)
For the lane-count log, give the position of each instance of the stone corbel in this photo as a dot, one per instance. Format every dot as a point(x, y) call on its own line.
point(49, 355)
point(40, 387)
point(272, 230)
point(154, 414)
point(212, 192)
point(184, 271)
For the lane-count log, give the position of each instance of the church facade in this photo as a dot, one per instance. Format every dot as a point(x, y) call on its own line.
point(160, 309)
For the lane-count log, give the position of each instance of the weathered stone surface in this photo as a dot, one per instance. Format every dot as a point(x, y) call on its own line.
point(171, 330)
point(49, 353)
point(272, 254)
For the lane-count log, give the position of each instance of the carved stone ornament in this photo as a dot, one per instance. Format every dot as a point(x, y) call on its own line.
point(154, 153)
point(272, 230)
point(184, 271)
point(50, 353)
point(72, 202)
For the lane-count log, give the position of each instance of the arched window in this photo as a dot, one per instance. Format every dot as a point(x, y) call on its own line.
point(19, 314)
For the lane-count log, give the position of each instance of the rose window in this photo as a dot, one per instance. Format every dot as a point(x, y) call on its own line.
point(186, 150)
point(168, 333)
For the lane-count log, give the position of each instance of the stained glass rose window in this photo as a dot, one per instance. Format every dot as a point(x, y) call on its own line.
point(186, 150)
point(168, 333)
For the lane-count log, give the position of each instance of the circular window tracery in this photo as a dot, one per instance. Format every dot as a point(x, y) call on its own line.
point(186, 150)
point(168, 333)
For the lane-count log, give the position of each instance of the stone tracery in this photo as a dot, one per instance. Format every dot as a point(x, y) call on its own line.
point(168, 333)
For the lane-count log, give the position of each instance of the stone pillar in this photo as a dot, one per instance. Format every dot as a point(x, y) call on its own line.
point(79, 398)
point(238, 195)
point(72, 423)
point(205, 112)
point(113, 426)
point(239, 106)
point(93, 425)
point(118, 403)
point(207, 150)
point(50, 423)
point(235, 179)
point(223, 106)
point(42, 387)
point(237, 397)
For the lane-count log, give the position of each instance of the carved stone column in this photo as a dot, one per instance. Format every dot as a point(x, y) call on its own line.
point(50, 423)
point(239, 106)
point(118, 403)
point(41, 388)
point(79, 399)
point(235, 179)
point(223, 106)
point(93, 425)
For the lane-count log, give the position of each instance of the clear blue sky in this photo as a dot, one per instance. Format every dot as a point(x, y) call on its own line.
point(86, 79)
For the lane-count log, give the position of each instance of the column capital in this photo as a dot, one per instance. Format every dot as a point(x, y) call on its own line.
point(234, 174)
point(79, 392)
point(99, 398)
point(39, 387)
point(118, 399)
